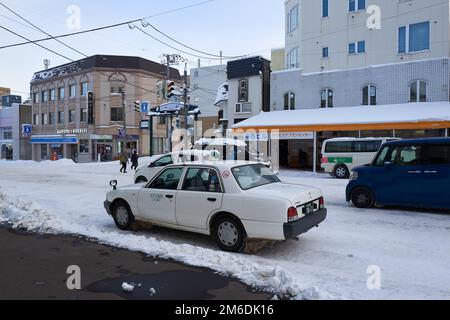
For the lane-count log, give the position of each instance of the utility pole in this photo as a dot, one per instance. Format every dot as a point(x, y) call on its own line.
point(186, 102)
point(124, 106)
point(168, 125)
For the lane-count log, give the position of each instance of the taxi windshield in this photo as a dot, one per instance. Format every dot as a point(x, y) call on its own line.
point(253, 176)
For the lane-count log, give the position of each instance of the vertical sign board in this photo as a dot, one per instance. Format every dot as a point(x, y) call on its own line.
point(145, 107)
point(90, 106)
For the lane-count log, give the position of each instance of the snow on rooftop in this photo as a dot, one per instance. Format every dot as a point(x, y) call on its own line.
point(395, 113)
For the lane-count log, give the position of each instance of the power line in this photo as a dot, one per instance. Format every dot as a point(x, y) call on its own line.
point(105, 27)
point(37, 28)
point(170, 46)
point(186, 46)
point(43, 47)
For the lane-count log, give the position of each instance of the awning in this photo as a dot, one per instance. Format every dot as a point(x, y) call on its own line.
point(409, 116)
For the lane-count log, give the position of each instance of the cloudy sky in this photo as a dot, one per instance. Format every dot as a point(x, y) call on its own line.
point(236, 27)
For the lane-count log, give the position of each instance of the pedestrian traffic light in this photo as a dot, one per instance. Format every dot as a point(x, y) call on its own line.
point(137, 106)
point(170, 89)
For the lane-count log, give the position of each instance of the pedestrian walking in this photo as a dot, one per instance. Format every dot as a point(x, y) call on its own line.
point(134, 161)
point(124, 162)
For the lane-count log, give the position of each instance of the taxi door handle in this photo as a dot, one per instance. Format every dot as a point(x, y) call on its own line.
point(415, 172)
point(430, 172)
point(212, 199)
point(169, 196)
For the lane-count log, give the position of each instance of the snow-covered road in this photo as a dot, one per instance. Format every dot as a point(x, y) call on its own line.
point(412, 249)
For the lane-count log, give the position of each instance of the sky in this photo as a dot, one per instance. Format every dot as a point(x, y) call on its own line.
point(237, 27)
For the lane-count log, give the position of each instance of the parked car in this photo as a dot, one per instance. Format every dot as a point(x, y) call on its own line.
point(411, 173)
point(341, 155)
point(230, 201)
point(147, 172)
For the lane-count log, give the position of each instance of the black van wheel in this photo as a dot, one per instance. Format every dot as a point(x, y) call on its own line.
point(363, 198)
point(341, 172)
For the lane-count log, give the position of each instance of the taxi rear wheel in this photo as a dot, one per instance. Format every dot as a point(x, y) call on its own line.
point(123, 217)
point(229, 234)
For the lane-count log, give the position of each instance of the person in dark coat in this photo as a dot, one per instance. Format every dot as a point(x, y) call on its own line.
point(134, 161)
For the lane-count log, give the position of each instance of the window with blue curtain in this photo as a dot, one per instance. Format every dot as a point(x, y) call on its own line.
point(402, 40)
point(351, 48)
point(325, 52)
point(324, 8)
point(419, 37)
point(361, 46)
point(351, 5)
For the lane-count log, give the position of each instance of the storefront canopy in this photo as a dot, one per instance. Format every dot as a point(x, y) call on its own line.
point(414, 116)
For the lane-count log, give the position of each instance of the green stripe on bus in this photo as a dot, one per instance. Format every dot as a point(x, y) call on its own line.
point(340, 160)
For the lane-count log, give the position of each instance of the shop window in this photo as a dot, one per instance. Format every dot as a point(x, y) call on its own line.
point(84, 146)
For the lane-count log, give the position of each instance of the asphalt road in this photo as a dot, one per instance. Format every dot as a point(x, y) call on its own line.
point(34, 267)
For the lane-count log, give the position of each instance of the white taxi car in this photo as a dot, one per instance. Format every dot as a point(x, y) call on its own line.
point(147, 172)
point(231, 201)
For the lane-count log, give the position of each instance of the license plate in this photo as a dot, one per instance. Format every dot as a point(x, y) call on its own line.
point(309, 208)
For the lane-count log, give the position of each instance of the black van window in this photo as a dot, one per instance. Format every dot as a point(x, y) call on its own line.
point(437, 155)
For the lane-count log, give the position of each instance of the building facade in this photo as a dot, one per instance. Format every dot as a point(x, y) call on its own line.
point(349, 53)
point(4, 91)
point(323, 35)
point(62, 127)
point(15, 134)
point(248, 85)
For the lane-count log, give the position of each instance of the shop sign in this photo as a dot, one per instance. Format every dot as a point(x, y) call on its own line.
point(72, 131)
point(294, 135)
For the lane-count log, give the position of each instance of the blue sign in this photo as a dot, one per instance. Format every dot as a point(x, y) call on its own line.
point(145, 107)
point(27, 129)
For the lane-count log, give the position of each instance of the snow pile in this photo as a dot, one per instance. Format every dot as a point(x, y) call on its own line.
point(126, 287)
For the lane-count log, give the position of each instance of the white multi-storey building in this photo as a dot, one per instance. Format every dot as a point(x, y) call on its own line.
point(353, 53)
point(323, 35)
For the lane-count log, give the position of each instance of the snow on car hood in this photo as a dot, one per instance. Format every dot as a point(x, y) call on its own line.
point(297, 194)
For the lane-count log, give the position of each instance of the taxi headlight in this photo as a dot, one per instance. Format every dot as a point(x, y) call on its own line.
point(354, 176)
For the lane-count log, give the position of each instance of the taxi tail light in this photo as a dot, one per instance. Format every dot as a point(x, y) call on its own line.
point(292, 214)
point(322, 203)
point(325, 160)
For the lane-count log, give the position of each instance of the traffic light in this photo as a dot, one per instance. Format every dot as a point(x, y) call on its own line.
point(137, 106)
point(170, 89)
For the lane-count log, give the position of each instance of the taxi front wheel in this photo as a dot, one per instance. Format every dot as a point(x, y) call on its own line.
point(229, 234)
point(123, 217)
